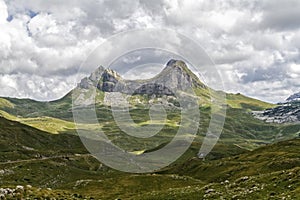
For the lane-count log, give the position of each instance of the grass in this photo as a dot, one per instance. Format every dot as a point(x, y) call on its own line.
point(47, 124)
point(5, 103)
point(29, 155)
point(240, 128)
point(61, 163)
point(274, 185)
point(244, 102)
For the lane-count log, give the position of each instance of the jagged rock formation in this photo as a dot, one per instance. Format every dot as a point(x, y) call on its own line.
point(294, 97)
point(288, 112)
point(92, 80)
point(175, 76)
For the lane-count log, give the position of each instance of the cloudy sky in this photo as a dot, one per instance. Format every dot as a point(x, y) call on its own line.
point(255, 44)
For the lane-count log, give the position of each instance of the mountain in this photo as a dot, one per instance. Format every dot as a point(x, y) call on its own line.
point(40, 149)
point(56, 116)
point(287, 112)
point(176, 75)
point(294, 97)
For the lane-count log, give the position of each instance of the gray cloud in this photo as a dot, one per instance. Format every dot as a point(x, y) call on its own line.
point(256, 74)
point(281, 15)
point(255, 44)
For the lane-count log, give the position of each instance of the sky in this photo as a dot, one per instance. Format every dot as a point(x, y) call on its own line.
point(254, 44)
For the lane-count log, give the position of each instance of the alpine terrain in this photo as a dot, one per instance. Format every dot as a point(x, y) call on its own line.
point(256, 157)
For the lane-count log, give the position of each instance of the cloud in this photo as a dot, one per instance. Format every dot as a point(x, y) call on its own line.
point(43, 88)
point(281, 15)
point(3, 12)
point(255, 44)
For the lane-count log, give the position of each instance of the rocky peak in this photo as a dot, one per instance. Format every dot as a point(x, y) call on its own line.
point(175, 76)
point(96, 75)
point(176, 63)
point(180, 74)
point(92, 80)
point(294, 97)
point(288, 112)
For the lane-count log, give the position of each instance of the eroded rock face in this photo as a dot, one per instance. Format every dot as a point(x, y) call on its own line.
point(92, 80)
point(285, 113)
point(109, 80)
point(175, 76)
point(294, 97)
point(153, 88)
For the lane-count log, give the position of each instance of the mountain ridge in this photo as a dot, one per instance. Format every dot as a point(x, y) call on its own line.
point(287, 112)
point(294, 97)
point(175, 76)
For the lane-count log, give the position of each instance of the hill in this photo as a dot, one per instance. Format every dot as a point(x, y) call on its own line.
point(60, 162)
point(267, 172)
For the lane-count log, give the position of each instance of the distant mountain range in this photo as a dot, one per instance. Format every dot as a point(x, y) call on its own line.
point(294, 97)
point(287, 112)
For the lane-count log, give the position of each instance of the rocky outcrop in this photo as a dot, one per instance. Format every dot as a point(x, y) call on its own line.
point(175, 76)
point(109, 80)
point(284, 113)
point(92, 80)
point(294, 97)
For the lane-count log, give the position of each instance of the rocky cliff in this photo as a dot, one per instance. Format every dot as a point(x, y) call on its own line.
point(288, 112)
point(294, 97)
point(175, 76)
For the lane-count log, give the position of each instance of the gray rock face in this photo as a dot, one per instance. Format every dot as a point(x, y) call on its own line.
point(284, 113)
point(175, 76)
point(294, 97)
point(92, 80)
point(288, 112)
point(108, 81)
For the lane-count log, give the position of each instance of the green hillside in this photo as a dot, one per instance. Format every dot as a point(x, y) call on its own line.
point(244, 102)
point(5, 103)
point(240, 128)
point(268, 172)
point(60, 162)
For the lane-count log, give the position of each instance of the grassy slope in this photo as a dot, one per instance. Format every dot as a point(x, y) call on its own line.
point(44, 160)
point(19, 141)
point(241, 128)
point(5, 103)
point(244, 102)
point(30, 108)
point(273, 185)
point(270, 171)
point(47, 124)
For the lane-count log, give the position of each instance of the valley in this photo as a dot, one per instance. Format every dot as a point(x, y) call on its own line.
point(253, 159)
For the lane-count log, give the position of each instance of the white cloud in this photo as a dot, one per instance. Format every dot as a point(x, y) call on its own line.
point(3, 12)
point(43, 88)
point(254, 43)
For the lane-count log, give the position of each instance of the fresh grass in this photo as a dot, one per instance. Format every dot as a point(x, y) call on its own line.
point(5, 103)
point(30, 156)
point(244, 102)
point(47, 124)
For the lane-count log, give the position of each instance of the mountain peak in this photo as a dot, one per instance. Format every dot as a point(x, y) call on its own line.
point(173, 63)
point(294, 97)
point(176, 75)
point(95, 76)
